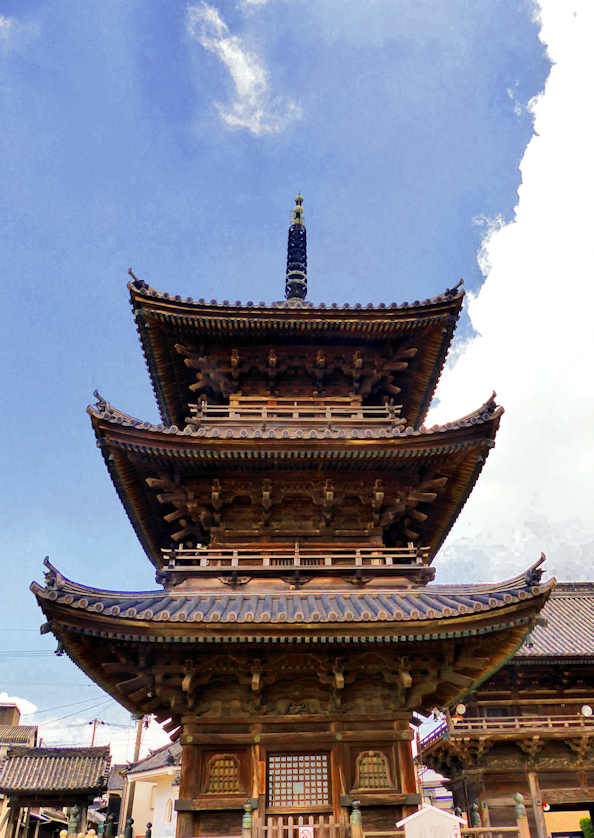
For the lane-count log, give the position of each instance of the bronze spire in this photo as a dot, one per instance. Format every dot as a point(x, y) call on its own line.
point(296, 279)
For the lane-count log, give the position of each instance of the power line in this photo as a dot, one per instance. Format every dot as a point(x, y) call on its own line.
point(47, 684)
point(59, 706)
point(23, 653)
point(81, 710)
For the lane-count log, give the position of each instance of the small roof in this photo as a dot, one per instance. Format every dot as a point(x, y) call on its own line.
point(18, 734)
point(54, 771)
point(433, 810)
point(165, 757)
point(116, 781)
point(568, 627)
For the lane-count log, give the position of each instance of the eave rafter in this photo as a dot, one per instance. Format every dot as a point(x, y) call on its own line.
point(199, 345)
point(412, 484)
point(164, 661)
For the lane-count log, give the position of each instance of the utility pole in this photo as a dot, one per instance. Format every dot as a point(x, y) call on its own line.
point(138, 738)
point(127, 811)
point(95, 722)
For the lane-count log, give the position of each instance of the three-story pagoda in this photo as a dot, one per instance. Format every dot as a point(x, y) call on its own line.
point(292, 503)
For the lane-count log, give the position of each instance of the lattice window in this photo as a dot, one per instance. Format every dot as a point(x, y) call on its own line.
point(298, 780)
point(373, 771)
point(223, 775)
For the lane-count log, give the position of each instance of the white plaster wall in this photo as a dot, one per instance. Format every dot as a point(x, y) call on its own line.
point(164, 791)
point(142, 811)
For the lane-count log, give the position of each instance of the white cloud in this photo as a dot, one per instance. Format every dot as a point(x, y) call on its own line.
point(16, 34)
point(6, 24)
point(534, 339)
point(251, 4)
point(512, 92)
point(253, 106)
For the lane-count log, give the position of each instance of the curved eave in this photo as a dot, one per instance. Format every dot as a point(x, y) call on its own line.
point(84, 632)
point(121, 437)
point(168, 313)
point(395, 615)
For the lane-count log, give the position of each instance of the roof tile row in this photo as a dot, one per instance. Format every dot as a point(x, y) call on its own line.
point(28, 770)
point(138, 286)
point(291, 607)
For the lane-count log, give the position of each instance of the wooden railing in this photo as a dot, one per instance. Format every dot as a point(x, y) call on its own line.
point(301, 412)
point(217, 560)
point(436, 734)
point(283, 826)
point(505, 724)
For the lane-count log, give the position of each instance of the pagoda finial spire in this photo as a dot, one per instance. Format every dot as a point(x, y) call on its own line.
point(296, 279)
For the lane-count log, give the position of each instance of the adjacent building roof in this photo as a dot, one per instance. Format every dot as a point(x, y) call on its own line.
point(116, 781)
point(18, 735)
point(163, 320)
point(568, 626)
point(167, 756)
point(53, 771)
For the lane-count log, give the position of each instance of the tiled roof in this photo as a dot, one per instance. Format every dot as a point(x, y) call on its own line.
point(116, 781)
point(162, 319)
point(166, 756)
point(140, 288)
point(18, 734)
point(133, 449)
point(307, 607)
point(104, 410)
point(28, 770)
point(569, 628)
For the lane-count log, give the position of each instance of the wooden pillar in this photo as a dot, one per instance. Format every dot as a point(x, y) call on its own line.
point(189, 787)
point(338, 768)
point(26, 822)
point(13, 822)
point(407, 774)
point(536, 797)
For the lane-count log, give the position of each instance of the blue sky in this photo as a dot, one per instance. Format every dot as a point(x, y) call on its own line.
point(172, 137)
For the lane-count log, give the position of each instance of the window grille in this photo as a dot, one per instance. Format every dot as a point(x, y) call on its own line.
point(373, 771)
point(298, 780)
point(223, 775)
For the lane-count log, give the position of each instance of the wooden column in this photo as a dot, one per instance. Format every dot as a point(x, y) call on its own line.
point(13, 822)
point(406, 768)
point(189, 787)
point(84, 811)
point(536, 798)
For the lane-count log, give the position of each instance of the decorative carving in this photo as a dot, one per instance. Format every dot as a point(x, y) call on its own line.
point(582, 747)
point(202, 510)
point(372, 771)
point(531, 747)
point(374, 373)
point(222, 774)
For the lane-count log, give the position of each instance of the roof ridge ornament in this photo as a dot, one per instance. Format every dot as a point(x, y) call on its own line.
point(296, 277)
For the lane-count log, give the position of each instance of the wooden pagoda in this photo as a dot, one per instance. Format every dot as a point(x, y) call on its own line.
point(292, 503)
